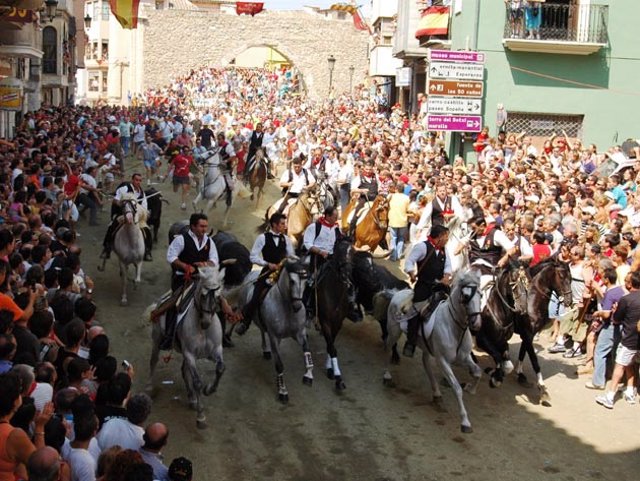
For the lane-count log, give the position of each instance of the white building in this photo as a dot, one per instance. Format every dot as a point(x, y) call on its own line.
point(382, 63)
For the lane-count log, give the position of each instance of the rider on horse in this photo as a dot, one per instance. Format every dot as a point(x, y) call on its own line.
point(441, 209)
point(319, 241)
point(255, 143)
point(429, 267)
point(294, 181)
point(269, 250)
point(133, 187)
point(227, 163)
point(489, 248)
point(186, 253)
point(366, 185)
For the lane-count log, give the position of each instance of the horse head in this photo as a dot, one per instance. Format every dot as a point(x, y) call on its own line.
point(519, 285)
point(466, 292)
point(207, 295)
point(561, 281)
point(130, 208)
point(380, 211)
point(297, 272)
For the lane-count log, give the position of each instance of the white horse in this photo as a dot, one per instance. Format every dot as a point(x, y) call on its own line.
point(214, 186)
point(128, 242)
point(198, 335)
point(445, 336)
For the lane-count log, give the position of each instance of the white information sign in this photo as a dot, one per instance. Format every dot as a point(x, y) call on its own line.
point(454, 106)
point(456, 71)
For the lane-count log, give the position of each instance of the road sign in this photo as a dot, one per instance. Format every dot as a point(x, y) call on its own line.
point(456, 71)
point(454, 123)
point(455, 56)
point(450, 105)
point(456, 88)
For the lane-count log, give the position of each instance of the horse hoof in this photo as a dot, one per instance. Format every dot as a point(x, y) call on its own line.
point(283, 398)
point(201, 424)
point(307, 381)
point(545, 399)
point(124, 303)
point(340, 385)
point(466, 429)
point(208, 390)
point(266, 356)
point(388, 382)
point(330, 373)
point(494, 383)
point(522, 380)
point(395, 358)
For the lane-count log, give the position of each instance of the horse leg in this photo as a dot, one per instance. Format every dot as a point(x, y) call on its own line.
point(307, 379)
point(220, 368)
point(192, 372)
point(155, 354)
point(475, 372)
point(497, 374)
point(194, 202)
point(391, 340)
point(465, 424)
point(522, 379)
point(333, 368)
point(266, 348)
point(123, 274)
point(226, 215)
point(138, 274)
point(527, 341)
point(188, 382)
point(283, 394)
point(428, 362)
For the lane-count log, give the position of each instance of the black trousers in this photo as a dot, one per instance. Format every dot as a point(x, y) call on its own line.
point(285, 199)
point(258, 289)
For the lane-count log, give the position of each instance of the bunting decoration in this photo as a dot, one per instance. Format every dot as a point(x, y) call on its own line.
point(126, 12)
point(249, 8)
point(434, 21)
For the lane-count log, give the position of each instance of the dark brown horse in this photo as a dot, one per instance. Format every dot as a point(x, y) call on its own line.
point(258, 176)
point(372, 229)
point(332, 286)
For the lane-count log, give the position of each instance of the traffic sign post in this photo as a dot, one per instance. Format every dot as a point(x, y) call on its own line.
point(456, 123)
point(456, 88)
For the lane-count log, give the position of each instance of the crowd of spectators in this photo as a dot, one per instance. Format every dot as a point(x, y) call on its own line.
point(66, 404)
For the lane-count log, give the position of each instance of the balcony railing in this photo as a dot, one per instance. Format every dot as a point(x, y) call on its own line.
point(579, 25)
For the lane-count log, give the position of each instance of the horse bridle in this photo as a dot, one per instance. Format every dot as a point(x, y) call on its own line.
point(466, 300)
point(198, 304)
point(134, 205)
point(299, 273)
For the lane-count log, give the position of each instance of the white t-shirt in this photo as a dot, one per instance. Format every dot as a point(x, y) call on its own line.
point(121, 432)
point(83, 465)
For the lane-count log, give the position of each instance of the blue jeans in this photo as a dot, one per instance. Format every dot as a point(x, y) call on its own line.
point(397, 242)
point(126, 144)
point(604, 346)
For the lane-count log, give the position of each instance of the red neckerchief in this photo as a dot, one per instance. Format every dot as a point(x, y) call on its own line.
point(323, 221)
point(367, 175)
point(317, 160)
point(488, 229)
point(432, 241)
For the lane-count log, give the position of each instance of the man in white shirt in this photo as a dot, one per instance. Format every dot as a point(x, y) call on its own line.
point(268, 251)
point(126, 433)
point(294, 181)
point(440, 210)
point(83, 465)
point(89, 195)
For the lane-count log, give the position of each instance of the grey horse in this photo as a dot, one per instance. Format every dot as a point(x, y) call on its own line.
point(445, 338)
point(128, 243)
point(198, 335)
point(282, 315)
point(214, 186)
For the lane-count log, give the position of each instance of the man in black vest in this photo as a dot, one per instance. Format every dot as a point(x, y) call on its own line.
point(186, 253)
point(366, 185)
point(133, 187)
point(268, 251)
point(428, 266)
point(228, 161)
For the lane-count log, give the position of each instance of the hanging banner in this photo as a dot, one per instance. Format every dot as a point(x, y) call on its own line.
point(10, 98)
point(249, 8)
point(126, 12)
point(434, 21)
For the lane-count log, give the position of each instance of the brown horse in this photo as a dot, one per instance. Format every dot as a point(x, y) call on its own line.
point(299, 216)
point(258, 176)
point(372, 229)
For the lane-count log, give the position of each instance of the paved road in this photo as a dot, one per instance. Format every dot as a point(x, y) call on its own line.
point(369, 433)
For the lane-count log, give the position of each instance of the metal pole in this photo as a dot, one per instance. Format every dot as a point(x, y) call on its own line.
point(330, 80)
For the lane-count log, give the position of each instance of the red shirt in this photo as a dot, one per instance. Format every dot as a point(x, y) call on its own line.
point(540, 253)
point(70, 187)
point(181, 164)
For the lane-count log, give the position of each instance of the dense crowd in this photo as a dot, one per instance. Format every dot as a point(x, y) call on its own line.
point(66, 404)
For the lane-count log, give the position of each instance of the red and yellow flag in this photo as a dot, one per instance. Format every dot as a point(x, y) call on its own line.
point(434, 21)
point(126, 12)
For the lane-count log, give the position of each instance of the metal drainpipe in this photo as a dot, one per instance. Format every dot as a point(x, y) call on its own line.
point(476, 26)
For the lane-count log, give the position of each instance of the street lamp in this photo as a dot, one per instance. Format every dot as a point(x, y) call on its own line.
point(87, 21)
point(332, 63)
point(50, 7)
point(351, 70)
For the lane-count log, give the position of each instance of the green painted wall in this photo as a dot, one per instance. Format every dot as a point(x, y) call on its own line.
point(611, 114)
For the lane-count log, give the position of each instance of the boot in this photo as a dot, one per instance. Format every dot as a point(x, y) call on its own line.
point(170, 322)
point(412, 336)
point(106, 253)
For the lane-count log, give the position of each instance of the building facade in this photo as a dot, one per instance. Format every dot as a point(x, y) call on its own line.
point(382, 64)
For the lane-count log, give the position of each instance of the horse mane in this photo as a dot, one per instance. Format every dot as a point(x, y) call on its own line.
point(549, 261)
